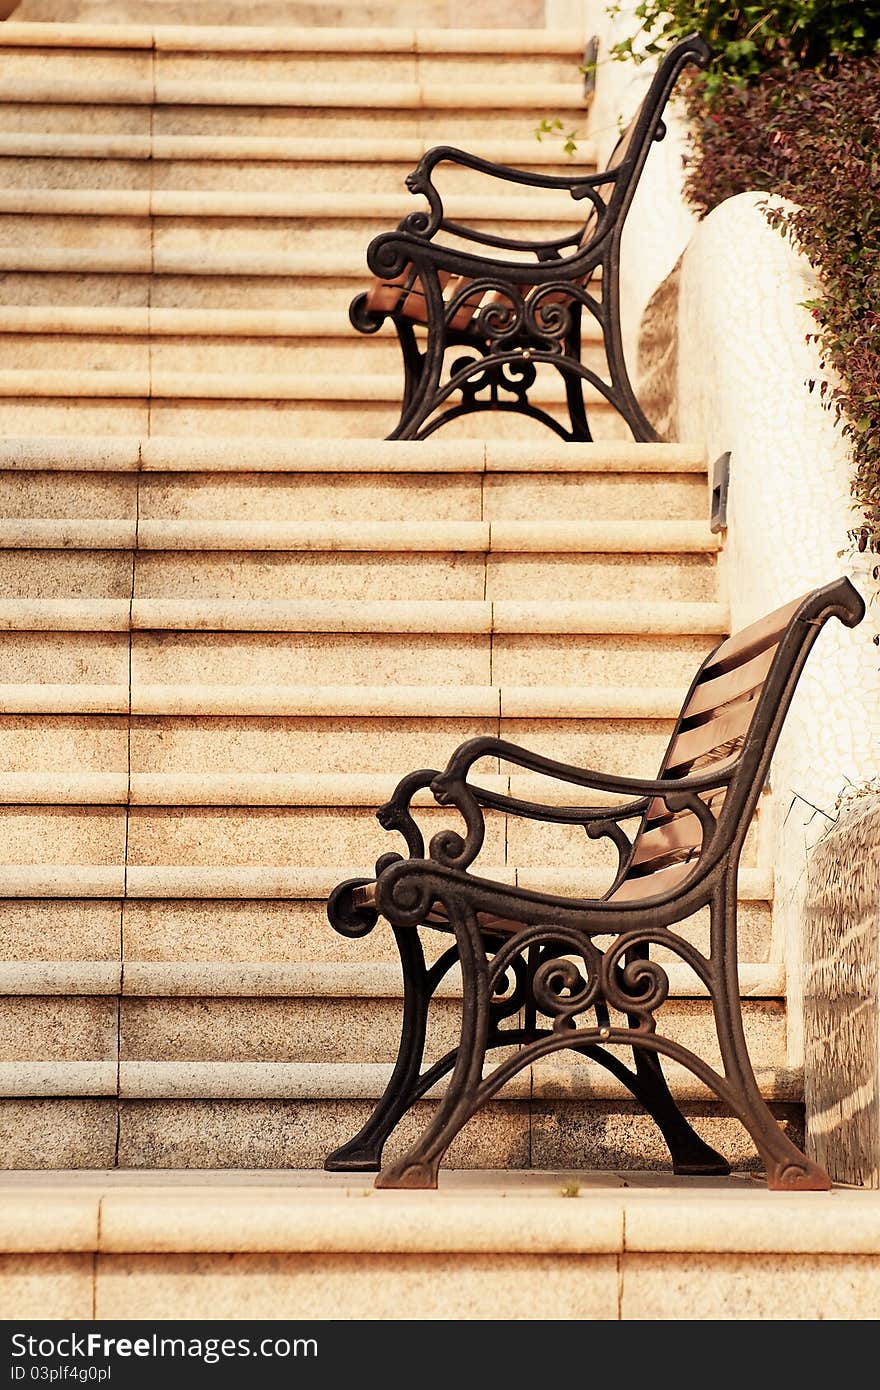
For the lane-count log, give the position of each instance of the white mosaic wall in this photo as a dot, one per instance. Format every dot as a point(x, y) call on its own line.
point(744, 365)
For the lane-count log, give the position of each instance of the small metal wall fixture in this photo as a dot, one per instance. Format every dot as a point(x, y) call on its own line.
point(720, 488)
point(491, 321)
point(543, 972)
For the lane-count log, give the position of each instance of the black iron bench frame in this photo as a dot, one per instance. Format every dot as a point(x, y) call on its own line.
point(530, 311)
point(543, 963)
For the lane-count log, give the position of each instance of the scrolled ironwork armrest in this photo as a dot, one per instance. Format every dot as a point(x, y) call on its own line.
point(577, 184)
point(488, 745)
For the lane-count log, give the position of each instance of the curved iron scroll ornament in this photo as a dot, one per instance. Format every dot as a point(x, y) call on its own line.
point(519, 313)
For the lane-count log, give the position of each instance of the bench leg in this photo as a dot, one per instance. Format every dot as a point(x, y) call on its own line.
point(419, 1165)
point(690, 1154)
point(363, 1153)
point(788, 1169)
point(643, 431)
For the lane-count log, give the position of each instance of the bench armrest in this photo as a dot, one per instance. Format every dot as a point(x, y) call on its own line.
point(456, 771)
point(421, 182)
point(576, 183)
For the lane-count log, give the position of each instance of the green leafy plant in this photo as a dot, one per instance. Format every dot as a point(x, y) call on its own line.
point(791, 104)
point(555, 127)
point(748, 39)
point(814, 138)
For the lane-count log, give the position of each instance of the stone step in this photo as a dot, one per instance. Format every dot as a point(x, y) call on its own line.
point(237, 342)
point(534, 537)
point(310, 790)
point(224, 884)
point(295, 1246)
point(243, 454)
point(194, 14)
point(205, 836)
point(250, 729)
point(334, 702)
point(301, 979)
point(354, 166)
point(305, 575)
point(60, 210)
point(58, 920)
point(38, 89)
point(347, 55)
point(57, 278)
point(395, 616)
point(286, 497)
point(263, 1049)
point(229, 37)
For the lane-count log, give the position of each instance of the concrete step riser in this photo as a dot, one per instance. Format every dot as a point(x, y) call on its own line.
point(172, 241)
point(58, 1029)
point(499, 71)
point(178, 934)
point(206, 836)
point(317, 574)
point(235, 1133)
point(275, 744)
point(360, 659)
point(203, 836)
point(116, 352)
point(299, 497)
point(275, 419)
point(242, 176)
point(467, 128)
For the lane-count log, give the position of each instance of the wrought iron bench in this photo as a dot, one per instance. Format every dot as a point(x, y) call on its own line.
point(538, 972)
point(513, 314)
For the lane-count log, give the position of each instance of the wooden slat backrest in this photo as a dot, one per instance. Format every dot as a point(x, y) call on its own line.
point(711, 732)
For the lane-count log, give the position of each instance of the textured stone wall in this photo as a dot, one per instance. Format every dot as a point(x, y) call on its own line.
point(743, 368)
point(841, 1002)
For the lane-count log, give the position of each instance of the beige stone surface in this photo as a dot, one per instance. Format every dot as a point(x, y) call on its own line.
point(49, 495)
point(227, 932)
point(51, 352)
point(30, 743)
point(306, 1286)
point(268, 835)
point(303, 659)
point(562, 577)
point(748, 1288)
point(47, 1286)
point(279, 1134)
point(55, 1029)
point(274, 1030)
point(57, 415)
point(26, 170)
point(617, 746)
point(307, 743)
point(59, 931)
point(50, 1221)
point(618, 1135)
point(616, 661)
point(75, 289)
point(63, 835)
point(583, 496)
point(95, 658)
point(65, 574)
point(282, 496)
point(309, 575)
point(57, 1133)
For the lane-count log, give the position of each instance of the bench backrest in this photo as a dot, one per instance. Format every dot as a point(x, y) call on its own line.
point(729, 726)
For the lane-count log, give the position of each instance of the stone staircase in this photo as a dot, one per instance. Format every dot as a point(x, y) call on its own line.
point(232, 615)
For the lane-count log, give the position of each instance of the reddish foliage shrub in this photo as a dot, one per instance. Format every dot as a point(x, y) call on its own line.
point(814, 138)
